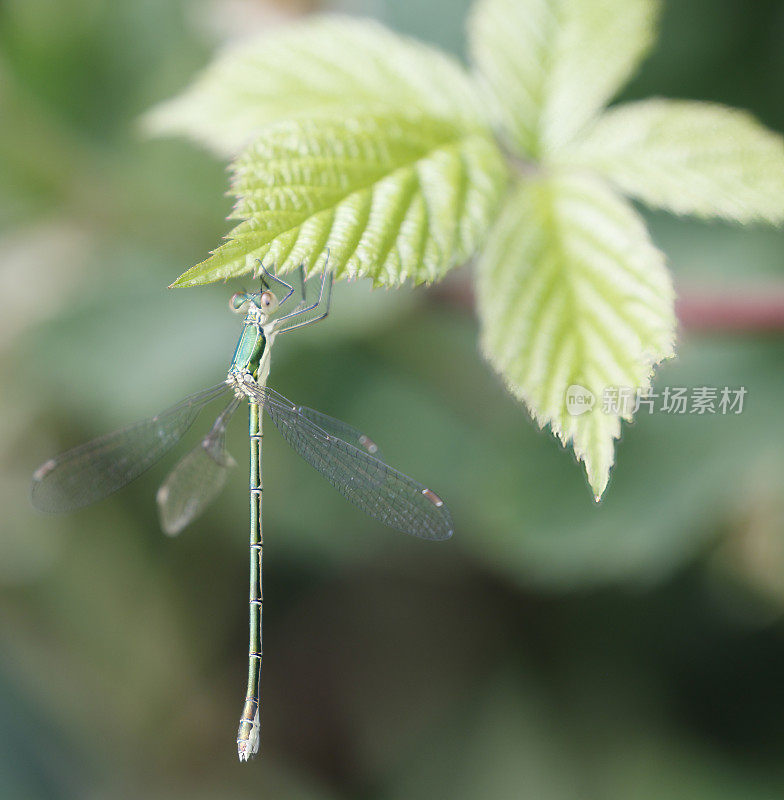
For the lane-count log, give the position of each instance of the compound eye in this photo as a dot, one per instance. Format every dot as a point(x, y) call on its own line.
point(238, 301)
point(267, 300)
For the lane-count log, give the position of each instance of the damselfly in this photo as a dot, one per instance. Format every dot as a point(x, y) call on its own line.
point(348, 459)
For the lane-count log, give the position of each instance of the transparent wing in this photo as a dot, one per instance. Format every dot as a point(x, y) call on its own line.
point(379, 490)
point(92, 471)
point(342, 430)
point(198, 477)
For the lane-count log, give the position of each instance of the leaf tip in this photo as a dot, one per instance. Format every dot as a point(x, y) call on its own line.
point(185, 280)
point(598, 480)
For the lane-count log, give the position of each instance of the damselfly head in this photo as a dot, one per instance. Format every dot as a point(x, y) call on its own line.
point(264, 302)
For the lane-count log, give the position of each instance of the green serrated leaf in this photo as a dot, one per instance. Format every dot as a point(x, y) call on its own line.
point(688, 158)
point(393, 197)
point(573, 293)
point(551, 65)
point(325, 66)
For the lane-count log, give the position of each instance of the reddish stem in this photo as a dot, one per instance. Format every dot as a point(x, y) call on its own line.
point(758, 310)
point(742, 311)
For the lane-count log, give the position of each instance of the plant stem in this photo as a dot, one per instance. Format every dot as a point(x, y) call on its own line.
point(752, 310)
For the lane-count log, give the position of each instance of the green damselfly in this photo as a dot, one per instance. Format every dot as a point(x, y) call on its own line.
point(347, 458)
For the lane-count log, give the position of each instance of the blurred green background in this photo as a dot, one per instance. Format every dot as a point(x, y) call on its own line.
point(552, 650)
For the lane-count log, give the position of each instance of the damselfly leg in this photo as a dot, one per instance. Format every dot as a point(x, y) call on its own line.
point(301, 317)
point(269, 280)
